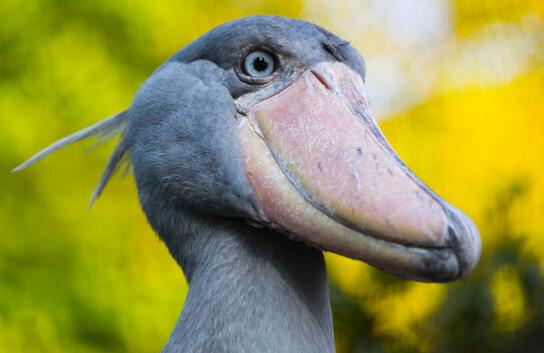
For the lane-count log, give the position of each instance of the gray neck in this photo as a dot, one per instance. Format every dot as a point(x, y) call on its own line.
point(251, 290)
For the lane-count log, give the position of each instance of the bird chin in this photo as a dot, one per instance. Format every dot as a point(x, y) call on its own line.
point(322, 171)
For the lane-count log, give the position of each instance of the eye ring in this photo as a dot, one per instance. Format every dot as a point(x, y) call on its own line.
point(257, 66)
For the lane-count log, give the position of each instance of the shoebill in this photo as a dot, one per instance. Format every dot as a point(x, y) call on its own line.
point(254, 150)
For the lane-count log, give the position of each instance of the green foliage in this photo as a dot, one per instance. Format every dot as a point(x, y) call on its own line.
point(100, 281)
point(72, 280)
point(467, 318)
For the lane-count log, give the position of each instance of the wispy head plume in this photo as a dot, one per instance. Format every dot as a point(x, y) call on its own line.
point(103, 130)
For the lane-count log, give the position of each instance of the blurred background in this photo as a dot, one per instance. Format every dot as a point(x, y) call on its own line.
point(458, 86)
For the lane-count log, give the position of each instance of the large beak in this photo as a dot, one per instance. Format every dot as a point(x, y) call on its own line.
point(322, 171)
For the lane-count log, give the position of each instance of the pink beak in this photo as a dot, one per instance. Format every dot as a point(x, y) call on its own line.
point(322, 171)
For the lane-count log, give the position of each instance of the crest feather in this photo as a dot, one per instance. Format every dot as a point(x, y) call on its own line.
point(103, 130)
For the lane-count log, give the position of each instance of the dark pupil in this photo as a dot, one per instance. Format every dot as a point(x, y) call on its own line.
point(260, 64)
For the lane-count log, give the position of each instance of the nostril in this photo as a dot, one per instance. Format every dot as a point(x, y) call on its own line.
point(321, 78)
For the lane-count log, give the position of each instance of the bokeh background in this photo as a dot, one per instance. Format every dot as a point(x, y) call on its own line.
point(458, 86)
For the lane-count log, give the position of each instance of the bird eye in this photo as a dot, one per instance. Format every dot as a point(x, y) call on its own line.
point(259, 64)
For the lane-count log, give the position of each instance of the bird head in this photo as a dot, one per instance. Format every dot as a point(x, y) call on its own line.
point(267, 120)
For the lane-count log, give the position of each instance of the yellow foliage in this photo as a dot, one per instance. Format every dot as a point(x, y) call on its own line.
point(470, 15)
point(510, 308)
point(400, 312)
point(68, 64)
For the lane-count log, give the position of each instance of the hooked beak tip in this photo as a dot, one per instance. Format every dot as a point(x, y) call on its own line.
point(464, 239)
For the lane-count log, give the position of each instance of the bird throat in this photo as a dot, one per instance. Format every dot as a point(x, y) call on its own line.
point(251, 290)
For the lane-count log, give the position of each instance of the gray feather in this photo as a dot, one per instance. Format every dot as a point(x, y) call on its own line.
point(118, 154)
point(105, 128)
